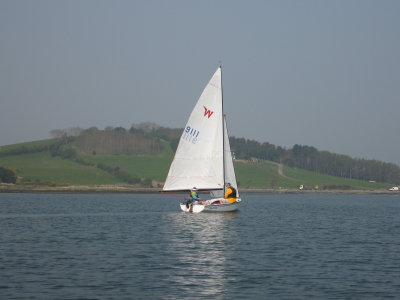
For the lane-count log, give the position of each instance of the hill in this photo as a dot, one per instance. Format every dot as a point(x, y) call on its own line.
point(72, 160)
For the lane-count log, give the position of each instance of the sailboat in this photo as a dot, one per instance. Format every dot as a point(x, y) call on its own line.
point(203, 158)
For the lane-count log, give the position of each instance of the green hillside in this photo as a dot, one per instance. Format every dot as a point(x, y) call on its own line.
point(28, 145)
point(42, 167)
point(265, 174)
point(38, 162)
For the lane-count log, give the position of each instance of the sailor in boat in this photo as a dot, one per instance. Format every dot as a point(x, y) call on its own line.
point(230, 194)
point(194, 199)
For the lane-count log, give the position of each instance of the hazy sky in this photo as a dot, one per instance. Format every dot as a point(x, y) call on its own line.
point(318, 73)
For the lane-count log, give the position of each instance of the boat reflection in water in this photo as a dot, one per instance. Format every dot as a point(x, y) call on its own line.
point(200, 245)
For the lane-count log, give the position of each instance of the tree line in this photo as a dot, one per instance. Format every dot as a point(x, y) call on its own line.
point(147, 138)
point(111, 140)
point(116, 141)
point(324, 162)
point(299, 156)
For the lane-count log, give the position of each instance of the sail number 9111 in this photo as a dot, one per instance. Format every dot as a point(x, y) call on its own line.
point(190, 134)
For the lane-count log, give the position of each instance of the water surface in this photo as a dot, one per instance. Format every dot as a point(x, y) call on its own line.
point(140, 246)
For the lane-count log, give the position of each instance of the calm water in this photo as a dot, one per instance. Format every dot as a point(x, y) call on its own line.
point(55, 246)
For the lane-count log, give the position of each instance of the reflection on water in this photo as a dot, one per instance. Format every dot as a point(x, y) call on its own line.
point(200, 244)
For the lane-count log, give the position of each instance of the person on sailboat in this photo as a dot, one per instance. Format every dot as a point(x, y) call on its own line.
point(195, 197)
point(230, 194)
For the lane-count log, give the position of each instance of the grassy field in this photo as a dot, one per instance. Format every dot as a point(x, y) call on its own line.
point(27, 145)
point(311, 179)
point(265, 175)
point(258, 175)
point(42, 167)
point(143, 166)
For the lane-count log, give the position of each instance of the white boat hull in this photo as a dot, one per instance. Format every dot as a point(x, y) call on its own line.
point(208, 206)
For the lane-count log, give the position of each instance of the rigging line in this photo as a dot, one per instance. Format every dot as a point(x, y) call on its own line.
point(179, 196)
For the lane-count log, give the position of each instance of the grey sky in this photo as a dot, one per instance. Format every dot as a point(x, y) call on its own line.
point(318, 73)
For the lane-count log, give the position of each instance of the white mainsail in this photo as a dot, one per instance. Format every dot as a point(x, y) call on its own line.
point(198, 160)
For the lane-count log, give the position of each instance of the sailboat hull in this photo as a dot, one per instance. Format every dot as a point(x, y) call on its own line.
point(209, 207)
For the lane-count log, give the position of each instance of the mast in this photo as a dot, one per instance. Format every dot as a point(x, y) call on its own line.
point(223, 134)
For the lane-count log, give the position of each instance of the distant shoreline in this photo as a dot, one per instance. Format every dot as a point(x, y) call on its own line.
point(6, 188)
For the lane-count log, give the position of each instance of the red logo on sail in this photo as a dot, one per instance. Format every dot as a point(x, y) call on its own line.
point(207, 112)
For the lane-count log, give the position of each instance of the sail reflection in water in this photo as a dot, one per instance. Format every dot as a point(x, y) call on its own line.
point(201, 246)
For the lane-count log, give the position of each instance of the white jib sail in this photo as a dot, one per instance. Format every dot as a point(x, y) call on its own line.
point(198, 159)
point(228, 161)
point(229, 169)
